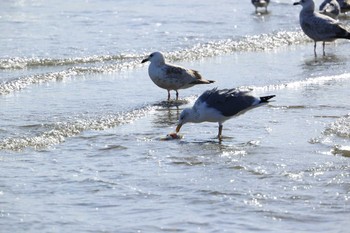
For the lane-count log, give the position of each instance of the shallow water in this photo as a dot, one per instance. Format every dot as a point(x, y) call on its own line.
point(81, 123)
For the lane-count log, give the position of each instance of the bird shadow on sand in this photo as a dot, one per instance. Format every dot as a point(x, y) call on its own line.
point(224, 143)
point(171, 103)
point(321, 60)
point(168, 112)
point(261, 13)
point(213, 148)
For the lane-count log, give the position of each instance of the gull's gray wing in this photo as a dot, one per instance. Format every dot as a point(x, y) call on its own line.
point(187, 76)
point(227, 101)
point(319, 27)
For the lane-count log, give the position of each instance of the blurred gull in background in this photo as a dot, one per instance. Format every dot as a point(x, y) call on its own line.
point(319, 27)
point(260, 3)
point(330, 8)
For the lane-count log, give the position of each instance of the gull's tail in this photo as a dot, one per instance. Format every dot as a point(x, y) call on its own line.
point(265, 99)
point(198, 78)
point(348, 36)
point(202, 81)
point(343, 33)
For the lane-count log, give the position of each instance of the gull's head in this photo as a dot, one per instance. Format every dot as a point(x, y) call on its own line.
point(155, 58)
point(306, 4)
point(186, 116)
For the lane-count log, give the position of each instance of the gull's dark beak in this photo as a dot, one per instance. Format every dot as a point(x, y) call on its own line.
point(296, 3)
point(144, 60)
point(178, 127)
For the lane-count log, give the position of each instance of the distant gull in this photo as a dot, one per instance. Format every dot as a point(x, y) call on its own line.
point(344, 5)
point(260, 3)
point(319, 27)
point(330, 8)
point(219, 106)
point(172, 77)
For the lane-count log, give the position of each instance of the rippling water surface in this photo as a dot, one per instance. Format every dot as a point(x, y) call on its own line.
point(81, 123)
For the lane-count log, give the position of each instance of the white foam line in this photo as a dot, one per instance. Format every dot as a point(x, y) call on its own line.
point(302, 83)
point(23, 82)
point(213, 48)
point(21, 63)
point(65, 130)
point(340, 127)
point(261, 42)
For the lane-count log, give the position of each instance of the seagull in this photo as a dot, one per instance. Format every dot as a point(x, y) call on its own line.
point(330, 8)
point(319, 27)
point(260, 3)
point(172, 77)
point(219, 106)
point(344, 5)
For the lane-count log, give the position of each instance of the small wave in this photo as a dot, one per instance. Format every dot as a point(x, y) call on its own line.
point(341, 150)
point(340, 128)
point(63, 130)
point(335, 135)
point(21, 63)
point(261, 42)
point(321, 80)
point(209, 49)
point(18, 84)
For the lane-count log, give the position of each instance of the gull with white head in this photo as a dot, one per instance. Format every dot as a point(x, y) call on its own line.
point(219, 106)
point(319, 27)
point(172, 77)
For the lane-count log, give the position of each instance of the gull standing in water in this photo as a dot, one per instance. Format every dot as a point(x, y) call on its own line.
point(319, 27)
point(172, 77)
point(260, 3)
point(219, 106)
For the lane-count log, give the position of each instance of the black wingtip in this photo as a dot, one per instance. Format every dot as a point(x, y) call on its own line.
point(211, 81)
point(265, 99)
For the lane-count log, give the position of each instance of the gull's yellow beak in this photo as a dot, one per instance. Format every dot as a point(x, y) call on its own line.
point(178, 127)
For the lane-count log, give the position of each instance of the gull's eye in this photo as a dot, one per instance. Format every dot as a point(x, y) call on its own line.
point(182, 117)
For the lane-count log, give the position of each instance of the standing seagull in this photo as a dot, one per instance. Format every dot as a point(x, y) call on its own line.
point(260, 3)
point(319, 27)
point(172, 77)
point(219, 106)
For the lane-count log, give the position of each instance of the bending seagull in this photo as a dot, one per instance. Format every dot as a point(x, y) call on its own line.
point(319, 27)
point(172, 77)
point(260, 3)
point(330, 8)
point(219, 106)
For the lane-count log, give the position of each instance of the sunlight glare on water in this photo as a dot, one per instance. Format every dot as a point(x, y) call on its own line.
point(82, 126)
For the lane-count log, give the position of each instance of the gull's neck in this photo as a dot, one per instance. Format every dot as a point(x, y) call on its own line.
point(158, 63)
point(194, 116)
